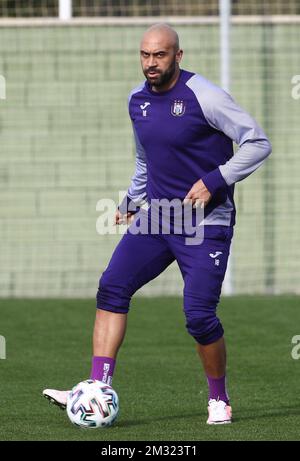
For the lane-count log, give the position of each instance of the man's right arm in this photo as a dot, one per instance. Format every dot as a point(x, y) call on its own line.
point(136, 194)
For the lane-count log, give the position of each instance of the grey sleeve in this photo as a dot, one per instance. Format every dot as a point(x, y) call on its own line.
point(222, 113)
point(137, 190)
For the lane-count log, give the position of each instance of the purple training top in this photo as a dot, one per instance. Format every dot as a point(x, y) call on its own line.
point(185, 134)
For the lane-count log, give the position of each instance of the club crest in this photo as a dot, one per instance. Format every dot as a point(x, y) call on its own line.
point(178, 108)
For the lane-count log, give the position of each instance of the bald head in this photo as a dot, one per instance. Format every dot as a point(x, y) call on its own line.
point(160, 56)
point(162, 34)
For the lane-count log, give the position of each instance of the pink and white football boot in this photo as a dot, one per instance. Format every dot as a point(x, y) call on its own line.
point(58, 398)
point(219, 412)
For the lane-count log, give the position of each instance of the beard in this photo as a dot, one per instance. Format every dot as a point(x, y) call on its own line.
point(163, 77)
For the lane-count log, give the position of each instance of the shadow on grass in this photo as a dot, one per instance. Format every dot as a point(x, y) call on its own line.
point(258, 413)
point(143, 421)
point(261, 413)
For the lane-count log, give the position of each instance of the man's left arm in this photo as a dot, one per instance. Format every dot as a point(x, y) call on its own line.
point(254, 147)
point(223, 114)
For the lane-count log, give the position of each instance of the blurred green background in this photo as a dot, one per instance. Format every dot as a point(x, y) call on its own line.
point(66, 142)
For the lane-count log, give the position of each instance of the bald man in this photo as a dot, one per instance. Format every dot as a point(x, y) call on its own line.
point(183, 126)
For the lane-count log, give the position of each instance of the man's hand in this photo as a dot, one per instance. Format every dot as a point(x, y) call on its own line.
point(123, 218)
point(198, 194)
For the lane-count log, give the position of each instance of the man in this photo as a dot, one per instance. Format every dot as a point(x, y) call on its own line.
point(184, 127)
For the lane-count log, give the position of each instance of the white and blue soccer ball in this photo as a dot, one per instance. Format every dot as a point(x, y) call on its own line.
point(92, 404)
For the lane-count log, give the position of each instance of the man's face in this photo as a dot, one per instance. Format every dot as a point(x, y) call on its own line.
point(159, 62)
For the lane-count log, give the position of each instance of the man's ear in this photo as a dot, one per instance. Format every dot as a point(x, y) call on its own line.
point(179, 56)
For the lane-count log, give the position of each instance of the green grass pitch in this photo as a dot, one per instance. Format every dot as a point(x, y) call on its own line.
point(159, 379)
